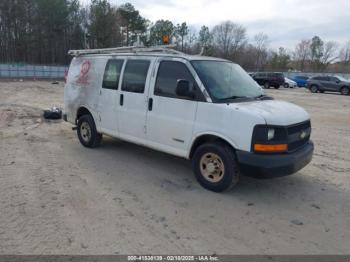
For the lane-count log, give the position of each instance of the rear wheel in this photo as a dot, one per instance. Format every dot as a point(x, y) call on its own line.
point(87, 132)
point(286, 85)
point(276, 87)
point(314, 89)
point(266, 85)
point(215, 166)
point(345, 91)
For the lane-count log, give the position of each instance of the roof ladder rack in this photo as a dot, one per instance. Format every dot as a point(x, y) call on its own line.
point(127, 49)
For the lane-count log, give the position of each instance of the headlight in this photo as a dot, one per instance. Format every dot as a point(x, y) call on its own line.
point(269, 139)
point(270, 134)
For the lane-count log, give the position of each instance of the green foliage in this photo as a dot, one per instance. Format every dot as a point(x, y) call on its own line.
point(39, 31)
point(205, 38)
point(101, 17)
point(132, 21)
point(280, 60)
point(181, 31)
point(159, 29)
point(316, 47)
point(205, 41)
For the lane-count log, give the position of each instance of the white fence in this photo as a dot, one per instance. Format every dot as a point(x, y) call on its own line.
point(32, 71)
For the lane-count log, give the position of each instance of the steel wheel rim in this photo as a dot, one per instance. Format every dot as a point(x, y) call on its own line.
point(85, 131)
point(314, 89)
point(212, 167)
point(345, 91)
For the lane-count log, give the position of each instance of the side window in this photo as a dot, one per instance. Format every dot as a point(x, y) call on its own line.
point(112, 74)
point(135, 75)
point(169, 73)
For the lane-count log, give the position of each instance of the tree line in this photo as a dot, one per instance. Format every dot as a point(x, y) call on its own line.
point(42, 31)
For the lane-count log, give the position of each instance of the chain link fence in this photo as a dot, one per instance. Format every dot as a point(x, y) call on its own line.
point(32, 71)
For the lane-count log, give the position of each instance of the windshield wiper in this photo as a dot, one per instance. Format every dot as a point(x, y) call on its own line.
point(233, 97)
point(264, 97)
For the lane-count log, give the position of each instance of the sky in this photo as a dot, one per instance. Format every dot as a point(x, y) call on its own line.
point(286, 22)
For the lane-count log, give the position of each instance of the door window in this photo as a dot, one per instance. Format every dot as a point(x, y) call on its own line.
point(135, 76)
point(169, 73)
point(112, 74)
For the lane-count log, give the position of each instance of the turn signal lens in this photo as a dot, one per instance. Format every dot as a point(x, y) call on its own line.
point(270, 148)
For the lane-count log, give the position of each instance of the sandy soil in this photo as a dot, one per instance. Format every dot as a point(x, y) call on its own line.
point(57, 197)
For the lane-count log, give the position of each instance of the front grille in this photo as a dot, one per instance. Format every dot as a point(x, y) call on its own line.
point(298, 135)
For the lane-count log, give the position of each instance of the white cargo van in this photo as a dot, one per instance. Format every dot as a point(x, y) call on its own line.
point(205, 109)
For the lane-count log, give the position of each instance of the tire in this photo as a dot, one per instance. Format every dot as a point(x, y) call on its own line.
point(215, 166)
point(286, 85)
point(266, 85)
point(87, 133)
point(276, 87)
point(345, 91)
point(314, 89)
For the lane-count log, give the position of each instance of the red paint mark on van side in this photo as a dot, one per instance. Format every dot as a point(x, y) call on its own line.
point(83, 76)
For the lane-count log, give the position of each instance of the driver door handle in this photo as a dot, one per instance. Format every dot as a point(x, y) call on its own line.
point(150, 104)
point(121, 100)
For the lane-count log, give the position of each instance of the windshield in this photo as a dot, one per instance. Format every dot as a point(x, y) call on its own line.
point(342, 79)
point(226, 80)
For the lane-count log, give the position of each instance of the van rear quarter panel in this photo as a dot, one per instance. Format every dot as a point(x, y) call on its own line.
point(84, 81)
point(227, 122)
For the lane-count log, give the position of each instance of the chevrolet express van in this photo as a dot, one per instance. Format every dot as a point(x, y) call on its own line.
point(204, 109)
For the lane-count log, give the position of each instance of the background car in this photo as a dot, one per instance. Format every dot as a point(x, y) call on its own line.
point(329, 83)
point(289, 83)
point(269, 79)
point(300, 80)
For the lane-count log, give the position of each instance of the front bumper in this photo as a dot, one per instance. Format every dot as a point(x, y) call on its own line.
point(274, 165)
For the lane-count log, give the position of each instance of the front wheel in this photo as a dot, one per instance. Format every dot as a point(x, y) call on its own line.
point(286, 85)
point(266, 85)
point(314, 89)
point(345, 91)
point(87, 132)
point(215, 166)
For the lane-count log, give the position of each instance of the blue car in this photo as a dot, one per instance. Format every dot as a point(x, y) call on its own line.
point(301, 80)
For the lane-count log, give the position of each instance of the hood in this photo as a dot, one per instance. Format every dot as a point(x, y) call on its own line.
point(274, 112)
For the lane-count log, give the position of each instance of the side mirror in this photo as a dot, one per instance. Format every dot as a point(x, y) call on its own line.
point(183, 89)
point(337, 81)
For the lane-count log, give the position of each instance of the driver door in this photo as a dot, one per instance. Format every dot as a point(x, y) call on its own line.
point(170, 118)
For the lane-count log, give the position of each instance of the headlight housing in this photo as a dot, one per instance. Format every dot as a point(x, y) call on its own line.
point(269, 139)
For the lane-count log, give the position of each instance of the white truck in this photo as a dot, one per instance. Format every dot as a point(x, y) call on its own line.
point(204, 109)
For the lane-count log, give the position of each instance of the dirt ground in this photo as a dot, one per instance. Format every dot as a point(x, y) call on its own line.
point(57, 197)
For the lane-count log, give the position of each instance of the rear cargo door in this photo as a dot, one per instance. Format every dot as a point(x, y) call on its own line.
point(132, 101)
